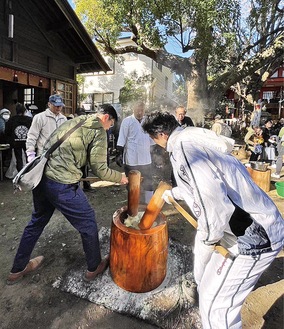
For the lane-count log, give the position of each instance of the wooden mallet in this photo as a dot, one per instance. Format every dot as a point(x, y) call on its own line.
point(221, 250)
point(154, 207)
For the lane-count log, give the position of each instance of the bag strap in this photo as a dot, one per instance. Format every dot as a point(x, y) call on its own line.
point(63, 138)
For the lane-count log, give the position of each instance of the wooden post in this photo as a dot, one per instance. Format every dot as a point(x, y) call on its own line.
point(134, 180)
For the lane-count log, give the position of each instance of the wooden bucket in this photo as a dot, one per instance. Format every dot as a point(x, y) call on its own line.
point(138, 258)
point(261, 178)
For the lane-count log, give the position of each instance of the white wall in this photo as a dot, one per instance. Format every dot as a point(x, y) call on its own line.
point(113, 82)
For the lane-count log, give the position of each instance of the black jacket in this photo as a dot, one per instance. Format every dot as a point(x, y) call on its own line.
point(17, 129)
point(186, 122)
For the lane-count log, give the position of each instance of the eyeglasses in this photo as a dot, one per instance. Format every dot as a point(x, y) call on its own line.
point(112, 123)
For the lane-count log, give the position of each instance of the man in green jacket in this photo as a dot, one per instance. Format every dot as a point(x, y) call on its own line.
point(60, 189)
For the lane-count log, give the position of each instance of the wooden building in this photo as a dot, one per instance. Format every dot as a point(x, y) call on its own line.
point(272, 93)
point(43, 45)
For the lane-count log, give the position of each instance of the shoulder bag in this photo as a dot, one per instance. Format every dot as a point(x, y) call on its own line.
point(30, 175)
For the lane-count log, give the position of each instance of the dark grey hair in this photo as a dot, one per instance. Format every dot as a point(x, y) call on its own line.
point(108, 109)
point(159, 122)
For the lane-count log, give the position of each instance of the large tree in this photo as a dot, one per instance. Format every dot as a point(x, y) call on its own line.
point(217, 43)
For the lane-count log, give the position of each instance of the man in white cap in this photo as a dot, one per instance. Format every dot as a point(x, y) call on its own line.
point(43, 126)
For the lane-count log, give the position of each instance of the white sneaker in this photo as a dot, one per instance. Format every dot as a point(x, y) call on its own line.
point(275, 175)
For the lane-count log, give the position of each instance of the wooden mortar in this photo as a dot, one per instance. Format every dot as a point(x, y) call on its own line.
point(138, 259)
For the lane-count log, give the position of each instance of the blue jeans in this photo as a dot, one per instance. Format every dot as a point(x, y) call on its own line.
point(71, 201)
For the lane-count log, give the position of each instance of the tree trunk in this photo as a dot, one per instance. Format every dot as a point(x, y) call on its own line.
point(198, 100)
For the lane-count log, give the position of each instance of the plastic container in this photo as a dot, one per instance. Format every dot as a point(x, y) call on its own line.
point(280, 188)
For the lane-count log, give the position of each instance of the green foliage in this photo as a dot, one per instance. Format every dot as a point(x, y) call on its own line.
point(190, 23)
point(80, 82)
point(226, 41)
point(134, 88)
point(180, 90)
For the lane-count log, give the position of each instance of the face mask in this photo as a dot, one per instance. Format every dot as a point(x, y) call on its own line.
point(6, 116)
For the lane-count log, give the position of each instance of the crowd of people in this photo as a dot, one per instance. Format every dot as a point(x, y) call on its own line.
point(202, 168)
point(263, 139)
point(266, 144)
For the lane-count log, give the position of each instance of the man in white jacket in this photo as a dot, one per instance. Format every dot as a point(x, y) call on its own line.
point(226, 202)
point(43, 125)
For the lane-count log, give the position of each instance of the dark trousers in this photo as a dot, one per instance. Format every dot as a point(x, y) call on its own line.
point(71, 201)
point(254, 156)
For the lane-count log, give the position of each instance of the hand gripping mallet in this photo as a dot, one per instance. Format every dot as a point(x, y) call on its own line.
point(222, 250)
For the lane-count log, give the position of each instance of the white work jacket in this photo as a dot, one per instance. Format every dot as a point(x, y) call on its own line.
point(43, 125)
point(212, 182)
point(135, 141)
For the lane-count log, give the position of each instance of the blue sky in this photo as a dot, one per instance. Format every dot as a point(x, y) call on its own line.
point(71, 3)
